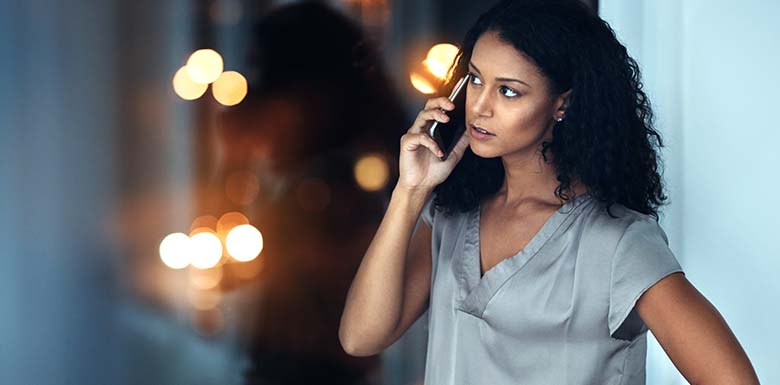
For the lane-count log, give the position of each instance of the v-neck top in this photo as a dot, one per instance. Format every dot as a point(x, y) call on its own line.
point(560, 311)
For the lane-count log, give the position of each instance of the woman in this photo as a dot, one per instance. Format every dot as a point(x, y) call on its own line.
point(539, 257)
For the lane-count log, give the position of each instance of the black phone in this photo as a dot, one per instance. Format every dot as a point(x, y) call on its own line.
point(447, 134)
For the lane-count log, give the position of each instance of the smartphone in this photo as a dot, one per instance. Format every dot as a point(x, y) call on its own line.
point(447, 134)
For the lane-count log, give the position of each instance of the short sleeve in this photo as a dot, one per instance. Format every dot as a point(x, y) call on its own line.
point(641, 259)
point(428, 211)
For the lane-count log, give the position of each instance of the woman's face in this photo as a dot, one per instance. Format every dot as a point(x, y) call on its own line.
point(509, 97)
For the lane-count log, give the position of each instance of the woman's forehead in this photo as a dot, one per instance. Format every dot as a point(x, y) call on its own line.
point(497, 58)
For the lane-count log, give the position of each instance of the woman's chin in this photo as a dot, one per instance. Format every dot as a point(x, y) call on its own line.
point(480, 151)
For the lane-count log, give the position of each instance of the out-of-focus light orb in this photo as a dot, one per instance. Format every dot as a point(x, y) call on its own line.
point(421, 83)
point(206, 250)
point(201, 229)
point(230, 88)
point(242, 187)
point(204, 66)
point(371, 172)
point(244, 243)
point(208, 221)
point(440, 58)
point(176, 250)
point(187, 88)
point(228, 221)
point(205, 279)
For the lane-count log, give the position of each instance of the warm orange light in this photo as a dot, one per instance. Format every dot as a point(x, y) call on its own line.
point(439, 59)
point(187, 88)
point(208, 221)
point(204, 299)
point(204, 66)
point(206, 279)
point(206, 250)
point(175, 250)
point(228, 221)
point(371, 172)
point(421, 83)
point(230, 88)
point(244, 243)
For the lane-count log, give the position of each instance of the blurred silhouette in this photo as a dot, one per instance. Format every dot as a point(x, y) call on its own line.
point(318, 100)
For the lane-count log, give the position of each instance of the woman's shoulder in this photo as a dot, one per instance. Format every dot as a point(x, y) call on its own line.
point(613, 223)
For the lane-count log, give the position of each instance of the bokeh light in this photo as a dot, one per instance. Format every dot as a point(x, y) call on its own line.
point(228, 221)
point(206, 250)
point(176, 250)
point(421, 83)
point(208, 221)
point(187, 88)
point(371, 172)
point(201, 229)
point(205, 279)
point(439, 59)
point(204, 66)
point(244, 243)
point(230, 88)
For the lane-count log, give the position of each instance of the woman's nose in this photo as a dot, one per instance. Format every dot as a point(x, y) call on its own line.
point(479, 103)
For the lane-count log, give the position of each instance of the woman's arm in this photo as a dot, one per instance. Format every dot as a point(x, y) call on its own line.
point(392, 285)
point(694, 334)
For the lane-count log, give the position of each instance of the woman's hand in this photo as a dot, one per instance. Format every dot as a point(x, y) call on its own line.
point(419, 164)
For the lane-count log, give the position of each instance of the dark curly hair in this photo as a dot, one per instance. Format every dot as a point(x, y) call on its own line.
point(607, 140)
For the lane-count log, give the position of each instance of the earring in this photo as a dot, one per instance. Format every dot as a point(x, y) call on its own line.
point(558, 119)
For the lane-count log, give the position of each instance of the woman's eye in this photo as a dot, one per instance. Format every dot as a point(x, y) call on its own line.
point(510, 92)
point(474, 79)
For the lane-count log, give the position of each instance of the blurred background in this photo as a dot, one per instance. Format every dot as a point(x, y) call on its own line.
point(188, 186)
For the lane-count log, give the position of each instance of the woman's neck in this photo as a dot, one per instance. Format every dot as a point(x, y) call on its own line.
point(530, 179)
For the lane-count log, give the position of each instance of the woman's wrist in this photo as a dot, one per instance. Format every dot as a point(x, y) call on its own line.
point(412, 196)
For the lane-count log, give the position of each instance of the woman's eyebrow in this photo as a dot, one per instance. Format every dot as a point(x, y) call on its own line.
point(501, 79)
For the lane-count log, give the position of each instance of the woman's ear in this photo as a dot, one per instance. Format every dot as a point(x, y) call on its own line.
point(562, 102)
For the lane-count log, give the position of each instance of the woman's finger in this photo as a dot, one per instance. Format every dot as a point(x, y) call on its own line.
point(440, 102)
point(412, 141)
point(425, 116)
point(429, 112)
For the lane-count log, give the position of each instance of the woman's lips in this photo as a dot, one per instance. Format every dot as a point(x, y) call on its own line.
point(479, 132)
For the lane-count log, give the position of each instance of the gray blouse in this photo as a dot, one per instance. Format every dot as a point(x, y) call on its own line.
point(561, 311)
